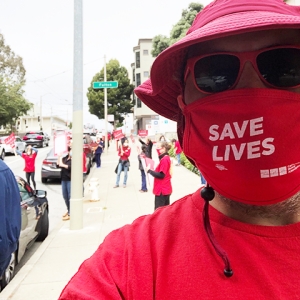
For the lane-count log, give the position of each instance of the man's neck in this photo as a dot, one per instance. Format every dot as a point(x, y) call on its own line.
point(283, 213)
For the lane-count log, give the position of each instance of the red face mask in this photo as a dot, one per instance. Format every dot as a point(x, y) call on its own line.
point(245, 142)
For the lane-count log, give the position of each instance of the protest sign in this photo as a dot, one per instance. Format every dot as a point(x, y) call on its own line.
point(148, 162)
point(10, 140)
point(60, 143)
point(143, 133)
point(118, 134)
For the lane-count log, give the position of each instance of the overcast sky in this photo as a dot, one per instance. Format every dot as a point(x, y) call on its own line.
point(41, 32)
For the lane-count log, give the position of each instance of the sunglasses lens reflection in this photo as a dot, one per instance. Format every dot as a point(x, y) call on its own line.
point(216, 73)
point(280, 67)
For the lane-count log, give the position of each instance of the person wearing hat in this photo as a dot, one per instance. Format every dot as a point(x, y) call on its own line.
point(232, 84)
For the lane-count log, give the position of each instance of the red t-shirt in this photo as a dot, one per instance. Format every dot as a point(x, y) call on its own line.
point(178, 147)
point(167, 255)
point(163, 186)
point(126, 153)
point(29, 161)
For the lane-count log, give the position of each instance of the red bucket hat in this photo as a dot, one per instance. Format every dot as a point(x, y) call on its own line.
point(220, 18)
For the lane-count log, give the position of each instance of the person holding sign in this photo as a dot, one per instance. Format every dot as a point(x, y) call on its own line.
point(123, 165)
point(148, 145)
point(162, 188)
point(29, 156)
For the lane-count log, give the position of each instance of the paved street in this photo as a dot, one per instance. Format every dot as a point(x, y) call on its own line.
point(60, 255)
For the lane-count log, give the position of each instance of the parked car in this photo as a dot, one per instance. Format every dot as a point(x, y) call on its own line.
point(87, 147)
point(19, 145)
point(2, 152)
point(50, 170)
point(37, 139)
point(34, 227)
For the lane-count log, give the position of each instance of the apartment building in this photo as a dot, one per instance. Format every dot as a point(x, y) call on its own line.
point(141, 72)
point(293, 2)
point(144, 117)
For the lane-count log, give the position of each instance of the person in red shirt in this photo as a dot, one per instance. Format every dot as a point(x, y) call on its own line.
point(178, 151)
point(123, 164)
point(232, 84)
point(162, 188)
point(29, 156)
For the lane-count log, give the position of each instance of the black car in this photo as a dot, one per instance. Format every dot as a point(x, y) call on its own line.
point(50, 170)
point(34, 226)
point(36, 139)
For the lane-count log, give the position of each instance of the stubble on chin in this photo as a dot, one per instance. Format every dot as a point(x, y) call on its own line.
point(288, 211)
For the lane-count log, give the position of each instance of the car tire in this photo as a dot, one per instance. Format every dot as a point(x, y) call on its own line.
point(44, 225)
point(2, 156)
point(44, 180)
point(9, 272)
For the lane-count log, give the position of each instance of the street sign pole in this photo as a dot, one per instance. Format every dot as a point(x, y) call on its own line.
point(105, 110)
point(105, 85)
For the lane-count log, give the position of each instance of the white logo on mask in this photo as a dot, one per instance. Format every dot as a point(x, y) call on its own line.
point(233, 131)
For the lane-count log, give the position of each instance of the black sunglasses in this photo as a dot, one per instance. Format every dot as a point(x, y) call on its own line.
point(278, 67)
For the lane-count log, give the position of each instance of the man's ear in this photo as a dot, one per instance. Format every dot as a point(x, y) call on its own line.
point(180, 102)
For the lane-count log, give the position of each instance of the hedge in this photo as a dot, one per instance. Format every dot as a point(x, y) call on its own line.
point(184, 161)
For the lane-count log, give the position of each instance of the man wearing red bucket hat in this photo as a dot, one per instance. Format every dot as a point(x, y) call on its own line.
point(232, 84)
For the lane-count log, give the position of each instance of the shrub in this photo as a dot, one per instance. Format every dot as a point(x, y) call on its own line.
point(184, 161)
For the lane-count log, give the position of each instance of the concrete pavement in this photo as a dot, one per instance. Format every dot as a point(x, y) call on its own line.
point(59, 256)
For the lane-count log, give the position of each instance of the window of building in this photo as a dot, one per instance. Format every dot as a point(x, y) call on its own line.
point(145, 52)
point(133, 75)
point(138, 79)
point(137, 60)
point(138, 102)
point(146, 74)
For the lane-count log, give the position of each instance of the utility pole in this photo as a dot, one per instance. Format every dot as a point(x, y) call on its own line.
point(76, 203)
point(41, 111)
point(105, 109)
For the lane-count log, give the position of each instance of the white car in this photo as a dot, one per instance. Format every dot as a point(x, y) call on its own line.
point(7, 149)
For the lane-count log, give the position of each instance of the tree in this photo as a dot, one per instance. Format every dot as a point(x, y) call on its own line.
point(118, 99)
point(11, 65)
point(160, 42)
point(12, 103)
point(12, 79)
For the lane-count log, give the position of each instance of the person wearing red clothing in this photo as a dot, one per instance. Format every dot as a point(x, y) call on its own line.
point(162, 188)
point(29, 156)
point(123, 165)
point(178, 151)
point(232, 84)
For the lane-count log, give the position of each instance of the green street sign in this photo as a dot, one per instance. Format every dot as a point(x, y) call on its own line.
point(105, 85)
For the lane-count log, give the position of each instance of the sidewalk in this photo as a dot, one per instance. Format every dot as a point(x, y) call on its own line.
point(59, 256)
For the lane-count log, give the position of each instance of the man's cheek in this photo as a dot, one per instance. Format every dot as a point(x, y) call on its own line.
point(191, 94)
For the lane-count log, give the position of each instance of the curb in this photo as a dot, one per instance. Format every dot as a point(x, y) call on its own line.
point(11, 288)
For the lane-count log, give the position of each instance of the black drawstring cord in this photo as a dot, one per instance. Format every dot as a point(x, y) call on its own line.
point(207, 193)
